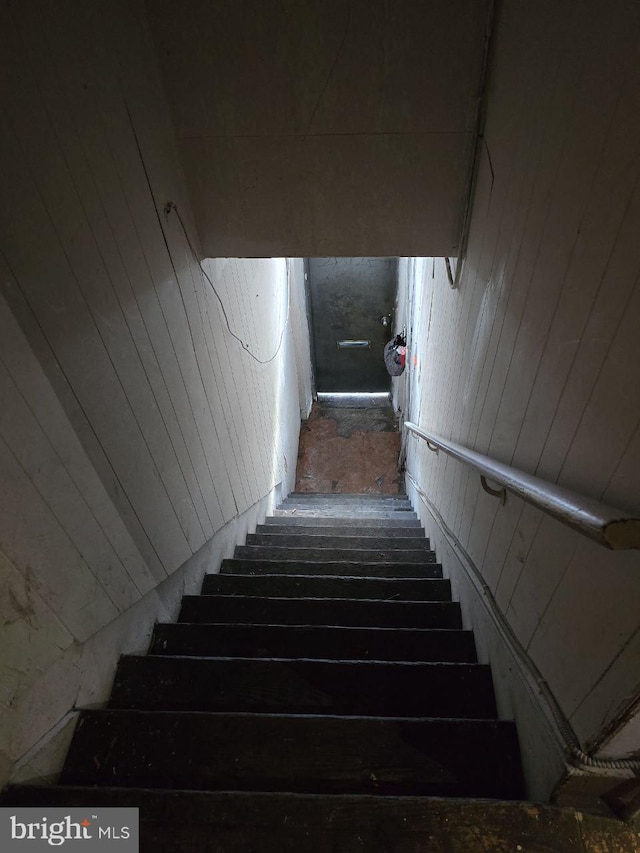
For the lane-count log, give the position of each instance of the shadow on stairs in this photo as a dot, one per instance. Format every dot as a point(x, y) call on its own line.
point(319, 695)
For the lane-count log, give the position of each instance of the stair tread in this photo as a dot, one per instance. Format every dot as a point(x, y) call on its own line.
point(372, 663)
point(340, 541)
point(319, 554)
point(341, 601)
point(329, 586)
point(212, 821)
point(324, 521)
point(379, 503)
point(340, 508)
point(346, 568)
point(354, 531)
point(352, 513)
point(330, 611)
point(441, 644)
point(304, 686)
point(348, 500)
point(356, 495)
point(305, 753)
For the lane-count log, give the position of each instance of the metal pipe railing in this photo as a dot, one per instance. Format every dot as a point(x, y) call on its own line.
point(608, 526)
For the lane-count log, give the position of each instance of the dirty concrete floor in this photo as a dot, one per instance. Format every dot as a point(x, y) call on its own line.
point(345, 449)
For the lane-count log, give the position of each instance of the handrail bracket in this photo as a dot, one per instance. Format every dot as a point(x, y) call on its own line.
point(609, 526)
point(496, 493)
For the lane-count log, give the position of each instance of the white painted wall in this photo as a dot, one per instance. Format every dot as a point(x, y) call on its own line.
point(301, 336)
point(535, 359)
point(135, 432)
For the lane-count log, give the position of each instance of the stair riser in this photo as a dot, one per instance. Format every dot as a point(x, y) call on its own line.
point(313, 664)
point(230, 822)
point(367, 533)
point(264, 641)
point(294, 753)
point(366, 555)
point(339, 498)
point(350, 514)
point(295, 611)
point(346, 496)
point(351, 524)
point(340, 542)
point(304, 687)
point(339, 506)
point(300, 586)
point(370, 570)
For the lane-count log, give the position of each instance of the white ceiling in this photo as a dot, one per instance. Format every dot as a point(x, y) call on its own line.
point(324, 127)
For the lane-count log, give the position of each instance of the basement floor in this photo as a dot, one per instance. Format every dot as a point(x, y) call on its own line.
point(349, 449)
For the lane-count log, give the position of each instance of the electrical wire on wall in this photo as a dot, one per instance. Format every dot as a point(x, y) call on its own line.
point(172, 207)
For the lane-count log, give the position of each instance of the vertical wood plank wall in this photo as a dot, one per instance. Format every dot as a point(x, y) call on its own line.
point(132, 426)
point(535, 359)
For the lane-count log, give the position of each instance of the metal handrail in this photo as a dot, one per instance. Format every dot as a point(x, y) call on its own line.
point(613, 528)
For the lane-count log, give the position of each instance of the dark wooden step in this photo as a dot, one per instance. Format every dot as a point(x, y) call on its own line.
point(345, 498)
point(338, 506)
point(163, 683)
point(345, 568)
point(348, 496)
point(264, 641)
point(241, 822)
point(340, 542)
point(368, 533)
point(359, 523)
point(362, 555)
point(344, 513)
point(263, 752)
point(327, 586)
point(320, 611)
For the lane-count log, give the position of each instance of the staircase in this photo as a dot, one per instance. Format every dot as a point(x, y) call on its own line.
point(319, 687)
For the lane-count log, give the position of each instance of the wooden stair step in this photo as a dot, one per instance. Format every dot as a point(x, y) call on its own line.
point(350, 523)
point(327, 586)
point(338, 506)
point(298, 686)
point(368, 533)
point(340, 541)
point(339, 569)
point(365, 555)
point(346, 513)
point(306, 754)
point(320, 611)
point(348, 496)
point(240, 822)
point(385, 644)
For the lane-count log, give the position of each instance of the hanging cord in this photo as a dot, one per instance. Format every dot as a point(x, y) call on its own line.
point(171, 206)
point(573, 750)
point(579, 757)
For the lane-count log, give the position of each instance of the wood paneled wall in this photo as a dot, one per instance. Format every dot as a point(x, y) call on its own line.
point(535, 359)
point(133, 426)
